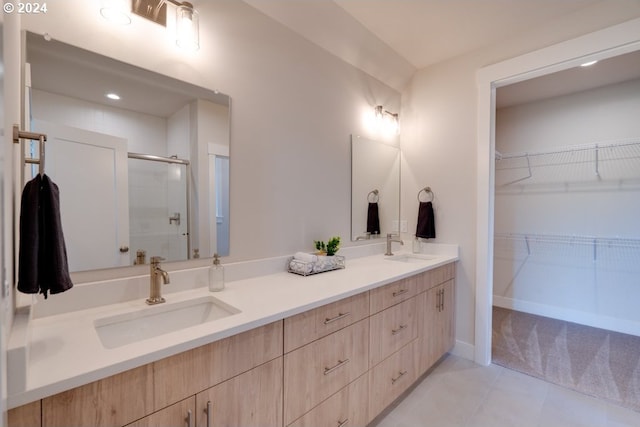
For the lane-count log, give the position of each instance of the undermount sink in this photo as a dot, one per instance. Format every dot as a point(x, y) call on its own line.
point(148, 322)
point(411, 258)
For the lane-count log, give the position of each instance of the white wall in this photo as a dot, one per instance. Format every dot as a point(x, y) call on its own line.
point(573, 281)
point(294, 108)
point(439, 134)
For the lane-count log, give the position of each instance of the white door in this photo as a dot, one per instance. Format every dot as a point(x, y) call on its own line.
point(90, 170)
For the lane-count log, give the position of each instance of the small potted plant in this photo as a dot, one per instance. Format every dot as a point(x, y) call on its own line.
point(330, 248)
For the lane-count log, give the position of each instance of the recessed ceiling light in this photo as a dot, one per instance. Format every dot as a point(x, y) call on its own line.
point(587, 64)
point(112, 95)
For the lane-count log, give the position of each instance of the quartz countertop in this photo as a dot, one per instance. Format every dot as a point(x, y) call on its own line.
point(64, 350)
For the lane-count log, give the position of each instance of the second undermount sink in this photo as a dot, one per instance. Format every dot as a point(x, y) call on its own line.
point(411, 258)
point(148, 322)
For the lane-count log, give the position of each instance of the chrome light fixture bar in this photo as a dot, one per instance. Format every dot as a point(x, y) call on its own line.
point(187, 20)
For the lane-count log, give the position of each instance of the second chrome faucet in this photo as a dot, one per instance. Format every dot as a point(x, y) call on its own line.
point(390, 239)
point(157, 276)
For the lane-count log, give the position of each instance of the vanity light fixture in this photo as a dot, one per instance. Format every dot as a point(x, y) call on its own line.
point(387, 120)
point(186, 17)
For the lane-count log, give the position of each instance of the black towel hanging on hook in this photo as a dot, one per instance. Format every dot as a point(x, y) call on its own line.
point(43, 265)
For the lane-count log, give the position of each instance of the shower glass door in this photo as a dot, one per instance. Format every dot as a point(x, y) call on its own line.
point(158, 209)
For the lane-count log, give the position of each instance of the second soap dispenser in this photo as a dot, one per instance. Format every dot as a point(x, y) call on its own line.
point(216, 275)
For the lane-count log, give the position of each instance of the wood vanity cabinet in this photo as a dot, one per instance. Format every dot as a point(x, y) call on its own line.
point(337, 365)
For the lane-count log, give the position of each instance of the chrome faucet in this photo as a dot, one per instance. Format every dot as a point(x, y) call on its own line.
point(156, 275)
point(390, 238)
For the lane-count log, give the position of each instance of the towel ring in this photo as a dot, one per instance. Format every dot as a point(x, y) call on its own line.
point(428, 191)
point(373, 194)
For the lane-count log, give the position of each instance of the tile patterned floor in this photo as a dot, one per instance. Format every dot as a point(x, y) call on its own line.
point(459, 393)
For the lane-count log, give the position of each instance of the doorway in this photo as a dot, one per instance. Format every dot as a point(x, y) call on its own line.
point(603, 44)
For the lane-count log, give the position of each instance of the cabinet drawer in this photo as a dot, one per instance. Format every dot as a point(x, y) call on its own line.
point(313, 324)
point(348, 407)
point(391, 329)
point(184, 374)
point(435, 277)
point(316, 371)
point(389, 379)
point(391, 294)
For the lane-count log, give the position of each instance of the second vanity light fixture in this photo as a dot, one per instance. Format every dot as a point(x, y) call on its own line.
point(186, 17)
point(387, 120)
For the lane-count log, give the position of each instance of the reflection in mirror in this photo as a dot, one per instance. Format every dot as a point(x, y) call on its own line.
point(143, 175)
point(375, 188)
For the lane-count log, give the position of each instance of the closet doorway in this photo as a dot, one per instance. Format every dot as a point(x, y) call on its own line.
point(566, 237)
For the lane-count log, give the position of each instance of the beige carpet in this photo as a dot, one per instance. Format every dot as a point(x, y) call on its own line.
point(593, 361)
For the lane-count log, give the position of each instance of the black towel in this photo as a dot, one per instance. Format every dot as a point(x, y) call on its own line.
point(426, 223)
point(43, 265)
point(373, 220)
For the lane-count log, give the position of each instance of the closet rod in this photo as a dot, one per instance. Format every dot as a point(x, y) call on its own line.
point(571, 240)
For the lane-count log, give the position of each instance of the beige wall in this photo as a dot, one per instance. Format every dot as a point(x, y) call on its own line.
point(439, 134)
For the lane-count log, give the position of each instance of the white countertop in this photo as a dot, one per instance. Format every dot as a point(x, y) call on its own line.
point(66, 352)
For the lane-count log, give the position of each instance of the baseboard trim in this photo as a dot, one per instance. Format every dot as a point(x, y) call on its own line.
point(464, 350)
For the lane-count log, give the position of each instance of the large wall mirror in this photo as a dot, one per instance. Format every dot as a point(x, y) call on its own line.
point(375, 188)
point(143, 175)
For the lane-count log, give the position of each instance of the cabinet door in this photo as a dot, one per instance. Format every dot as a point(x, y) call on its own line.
point(391, 329)
point(181, 414)
point(113, 401)
point(306, 327)
point(252, 399)
point(318, 370)
point(436, 330)
point(348, 407)
point(28, 415)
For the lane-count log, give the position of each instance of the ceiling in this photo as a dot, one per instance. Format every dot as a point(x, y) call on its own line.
point(399, 37)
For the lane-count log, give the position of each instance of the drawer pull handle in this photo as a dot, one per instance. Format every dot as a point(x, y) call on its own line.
point(189, 418)
point(400, 329)
point(400, 292)
point(402, 374)
point(338, 317)
point(343, 423)
point(208, 411)
point(340, 363)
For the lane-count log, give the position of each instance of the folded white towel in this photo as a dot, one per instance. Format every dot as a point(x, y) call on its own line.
point(303, 256)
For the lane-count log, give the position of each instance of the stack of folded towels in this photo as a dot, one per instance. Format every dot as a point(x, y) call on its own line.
point(303, 263)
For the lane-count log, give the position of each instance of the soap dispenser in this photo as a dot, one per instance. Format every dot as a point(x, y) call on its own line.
point(216, 275)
